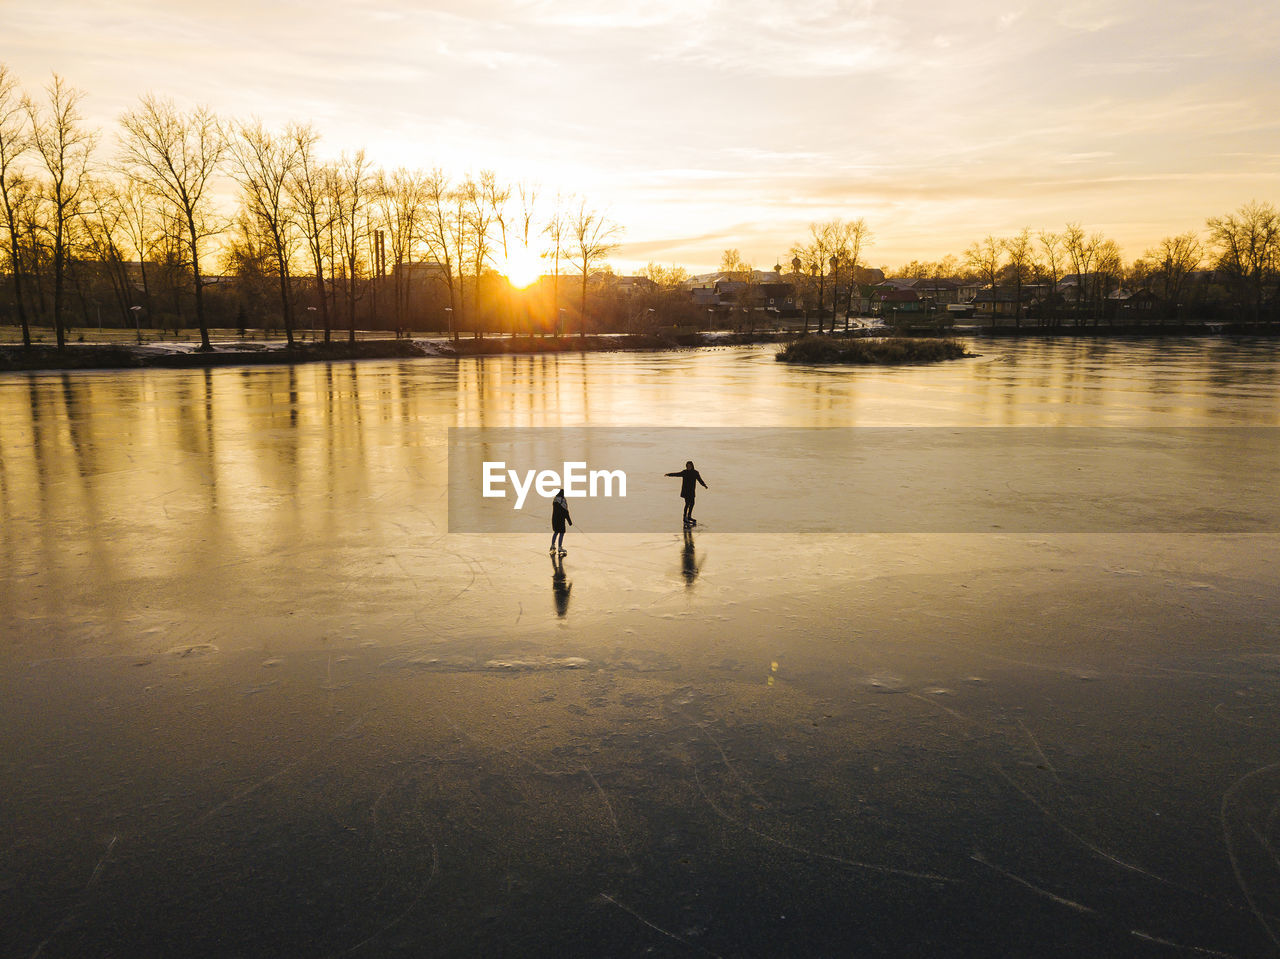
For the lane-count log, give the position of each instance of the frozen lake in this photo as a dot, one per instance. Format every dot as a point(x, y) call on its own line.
point(256, 699)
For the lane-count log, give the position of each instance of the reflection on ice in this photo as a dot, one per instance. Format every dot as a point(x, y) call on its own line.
point(561, 585)
point(256, 702)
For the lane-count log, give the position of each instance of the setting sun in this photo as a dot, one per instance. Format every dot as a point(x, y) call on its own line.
point(522, 267)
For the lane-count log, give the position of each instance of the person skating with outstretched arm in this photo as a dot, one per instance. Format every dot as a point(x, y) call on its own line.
point(689, 480)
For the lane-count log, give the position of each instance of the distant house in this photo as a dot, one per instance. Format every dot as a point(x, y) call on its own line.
point(711, 280)
point(887, 301)
point(1076, 286)
point(420, 271)
point(939, 291)
point(1131, 306)
point(767, 290)
point(780, 297)
point(897, 283)
point(998, 301)
point(632, 285)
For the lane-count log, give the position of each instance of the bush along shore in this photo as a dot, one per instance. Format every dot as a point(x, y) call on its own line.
point(872, 351)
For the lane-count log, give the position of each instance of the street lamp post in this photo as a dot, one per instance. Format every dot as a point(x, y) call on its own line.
point(835, 288)
point(137, 324)
point(795, 272)
point(815, 268)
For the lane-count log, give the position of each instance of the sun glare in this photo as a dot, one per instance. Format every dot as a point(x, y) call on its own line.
point(522, 268)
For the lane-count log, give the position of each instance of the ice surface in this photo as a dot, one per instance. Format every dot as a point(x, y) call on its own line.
point(256, 701)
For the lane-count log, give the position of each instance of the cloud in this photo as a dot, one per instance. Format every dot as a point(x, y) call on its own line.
point(691, 119)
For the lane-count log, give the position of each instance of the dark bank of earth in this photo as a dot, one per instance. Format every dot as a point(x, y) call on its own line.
point(96, 356)
point(868, 351)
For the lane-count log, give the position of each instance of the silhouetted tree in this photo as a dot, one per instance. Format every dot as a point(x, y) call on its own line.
point(593, 236)
point(266, 163)
point(814, 255)
point(16, 189)
point(1173, 261)
point(401, 204)
point(984, 259)
point(176, 156)
point(1247, 246)
point(142, 228)
point(251, 259)
point(445, 234)
point(556, 232)
point(309, 193)
point(1109, 274)
point(1019, 268)
point(1082, 251)
point(107, 238)
point(350, 194)
point(477, 193)
point(1049, 269)
point(849, 239)
point(64, 147)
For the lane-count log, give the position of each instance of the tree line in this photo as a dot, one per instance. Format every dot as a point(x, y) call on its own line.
point(339, 242)
point(325, 235)
point(1229, 269)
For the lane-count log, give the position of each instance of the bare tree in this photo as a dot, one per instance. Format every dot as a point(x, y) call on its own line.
point(737, 270)
point(266, 163)
point(176, 156)
point(556, 232)
point(250, 259)
point(308, 192)
point(402, 203)
point(15, 187)
point(1082, 251)
point(528, 194)
point(668, 277)
point(814, 256)
point(350, 194)
point(1019, 268)
point(733, 265)
point(1247, 246)
point(1175, 258)
point(173, 267)
point(850, 237)
point(1049, 268)
point(496, 197)
point(106, 231)
point(479, 220)
point(442, 239)
point(984, 259)
point(64, 147)
point(593, 237)
point(142, 229)
point(1109, 270)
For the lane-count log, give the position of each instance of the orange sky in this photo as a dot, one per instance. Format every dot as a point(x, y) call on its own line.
point(706, 124)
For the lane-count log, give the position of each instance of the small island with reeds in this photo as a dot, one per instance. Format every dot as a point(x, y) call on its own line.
point(872, 351)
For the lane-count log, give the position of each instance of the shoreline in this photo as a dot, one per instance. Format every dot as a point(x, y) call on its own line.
point(15, 358)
